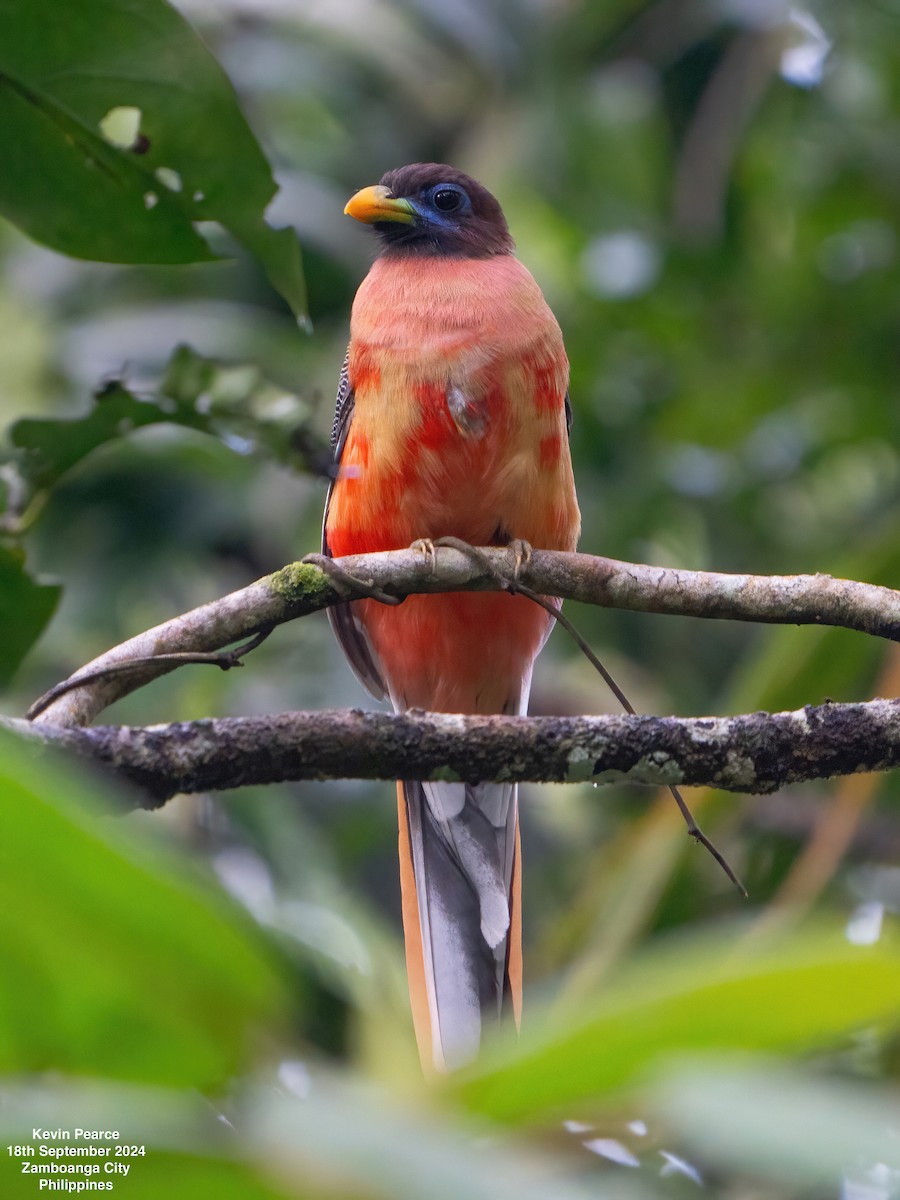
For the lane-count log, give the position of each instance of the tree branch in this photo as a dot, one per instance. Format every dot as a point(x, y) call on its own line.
point(758, 752)
point(302, 588)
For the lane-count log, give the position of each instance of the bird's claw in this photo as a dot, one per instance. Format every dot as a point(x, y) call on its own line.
point(521, 551)
point(352, 585)
point(473, 552)
point(522, 555)
point(426, 547)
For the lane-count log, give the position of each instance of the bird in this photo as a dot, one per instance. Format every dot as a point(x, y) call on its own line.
point(452, 421)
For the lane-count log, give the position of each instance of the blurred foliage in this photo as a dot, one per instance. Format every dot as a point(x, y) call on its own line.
point(233, 403)
point(93, 176)
point(134, 1013)
point(707, 191)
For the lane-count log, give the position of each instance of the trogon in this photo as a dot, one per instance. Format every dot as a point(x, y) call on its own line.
point(452, 420)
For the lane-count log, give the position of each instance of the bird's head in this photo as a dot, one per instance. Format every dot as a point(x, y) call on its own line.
point(433, 209)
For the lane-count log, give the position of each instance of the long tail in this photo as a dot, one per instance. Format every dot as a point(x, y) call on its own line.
point(460, 877)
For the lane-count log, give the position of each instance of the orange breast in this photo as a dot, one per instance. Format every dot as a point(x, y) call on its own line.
point(459, 376)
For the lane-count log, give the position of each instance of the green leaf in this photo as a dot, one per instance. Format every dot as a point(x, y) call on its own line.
point(228, 401)
point(26, 607)
point(63, 70)
point(187, 1176)
point(237, 401)
point(767, 1122)
point(694, 994)
point(64, 186)
point(345, 1141)
point(52, 446)
point(114, 961)
point(386, 1150)
point(189, 1151)
point(278, 251)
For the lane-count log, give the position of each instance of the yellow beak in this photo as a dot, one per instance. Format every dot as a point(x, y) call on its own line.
point(376, 203)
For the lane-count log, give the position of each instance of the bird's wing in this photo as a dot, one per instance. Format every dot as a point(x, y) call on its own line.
point(348, 630)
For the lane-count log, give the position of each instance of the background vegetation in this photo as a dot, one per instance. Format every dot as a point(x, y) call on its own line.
point(708, 194)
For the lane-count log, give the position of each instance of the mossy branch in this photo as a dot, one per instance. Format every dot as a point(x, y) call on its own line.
point(302, 588)
point(758, 752)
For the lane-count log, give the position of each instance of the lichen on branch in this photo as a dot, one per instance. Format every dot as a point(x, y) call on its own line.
point(757, 752)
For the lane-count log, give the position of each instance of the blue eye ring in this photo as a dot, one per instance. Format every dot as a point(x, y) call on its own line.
point(447, 198)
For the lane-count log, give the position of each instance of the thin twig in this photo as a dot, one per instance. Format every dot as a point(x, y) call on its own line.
point(693, 828)
point(514, 586)
point(223, 659)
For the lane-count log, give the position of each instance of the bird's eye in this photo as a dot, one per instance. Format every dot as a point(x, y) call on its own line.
point(448, 199)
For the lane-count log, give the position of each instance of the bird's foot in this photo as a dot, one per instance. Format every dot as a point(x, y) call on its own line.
point(351, 585)
point(473, 552)
point(522, 553)
point(521, 550)
point(426, 547)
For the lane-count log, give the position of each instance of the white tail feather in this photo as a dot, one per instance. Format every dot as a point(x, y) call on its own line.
point(462, 865)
